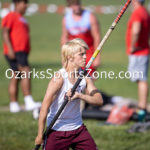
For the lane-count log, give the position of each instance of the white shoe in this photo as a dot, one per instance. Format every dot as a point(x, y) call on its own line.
point(14, 107)
point(36, 113)
point(33, 105)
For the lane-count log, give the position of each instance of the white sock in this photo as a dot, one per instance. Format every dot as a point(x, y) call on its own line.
point(14, 103)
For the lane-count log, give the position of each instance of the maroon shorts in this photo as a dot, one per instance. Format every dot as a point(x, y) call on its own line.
point(78, 139)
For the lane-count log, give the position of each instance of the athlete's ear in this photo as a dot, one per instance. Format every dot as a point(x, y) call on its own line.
point(70, 58)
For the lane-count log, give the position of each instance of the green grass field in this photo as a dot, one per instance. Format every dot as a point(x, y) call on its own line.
point(18, 131)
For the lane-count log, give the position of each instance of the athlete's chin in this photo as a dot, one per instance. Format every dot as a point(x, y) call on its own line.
point(83, 65)
point(77, 12)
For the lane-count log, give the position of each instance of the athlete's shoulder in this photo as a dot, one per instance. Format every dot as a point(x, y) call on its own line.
point(57, 78)
point(13, 14)
point(93, 18)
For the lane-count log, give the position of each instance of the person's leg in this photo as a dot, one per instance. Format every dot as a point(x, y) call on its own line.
point(13, 87)
point(138, 66)
point(143, 88)
point(57, 140)
point(25, 82)
point(13, 94)
point(143, 94)
point(83, 140)
point(142, 100)
point(23, 67)
point(30, 104)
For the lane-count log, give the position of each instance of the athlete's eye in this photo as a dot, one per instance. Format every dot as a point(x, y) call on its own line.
point(82, 54)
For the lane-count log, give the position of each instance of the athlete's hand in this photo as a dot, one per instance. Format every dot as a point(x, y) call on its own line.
point(69, 93)
point(11, 54)
point(39, 140)
point(75, 96)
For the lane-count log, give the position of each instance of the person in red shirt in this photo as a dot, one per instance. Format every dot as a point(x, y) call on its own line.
point(138, 50)
point(15, 32)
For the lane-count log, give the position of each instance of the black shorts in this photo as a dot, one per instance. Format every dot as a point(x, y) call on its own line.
point(21, 59)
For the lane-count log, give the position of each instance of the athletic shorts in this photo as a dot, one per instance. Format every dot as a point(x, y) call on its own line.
point(75, 139)
point(21, 59)
point(138, 67)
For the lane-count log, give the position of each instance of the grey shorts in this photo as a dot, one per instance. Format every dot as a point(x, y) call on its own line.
point(138, 67)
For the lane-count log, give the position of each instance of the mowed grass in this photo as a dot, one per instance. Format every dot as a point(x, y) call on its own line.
point(18, 131)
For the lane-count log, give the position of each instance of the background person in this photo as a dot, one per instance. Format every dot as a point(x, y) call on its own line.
point(15, 32)
point(138, 50)
point(69, 127)
point(81, 23)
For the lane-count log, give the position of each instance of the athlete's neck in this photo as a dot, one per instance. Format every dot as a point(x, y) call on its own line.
point(72, 69)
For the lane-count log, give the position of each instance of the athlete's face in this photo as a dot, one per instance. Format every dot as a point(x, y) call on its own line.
point(79, 58)
point(76, 8)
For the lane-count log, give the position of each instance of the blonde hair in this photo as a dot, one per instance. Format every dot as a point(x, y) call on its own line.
point(70, 48)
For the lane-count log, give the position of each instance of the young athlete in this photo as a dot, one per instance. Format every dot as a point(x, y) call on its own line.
point(69, 130)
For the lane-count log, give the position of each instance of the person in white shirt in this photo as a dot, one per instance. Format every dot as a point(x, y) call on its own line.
point(69, 130)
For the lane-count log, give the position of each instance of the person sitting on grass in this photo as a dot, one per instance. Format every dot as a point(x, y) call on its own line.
point(69, 130)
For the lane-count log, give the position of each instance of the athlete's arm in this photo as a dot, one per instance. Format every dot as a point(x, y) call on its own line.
point(95, 31)
point(135, 33)
point(64, 36)
point(6, 38)
point(91, 96)
point(53, 88)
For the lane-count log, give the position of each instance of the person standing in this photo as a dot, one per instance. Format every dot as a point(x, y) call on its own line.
point(69, 130)
point(138, 50)
point(81, 23)
point(15, 32)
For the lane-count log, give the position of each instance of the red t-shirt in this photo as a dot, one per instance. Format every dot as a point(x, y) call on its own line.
point(19, 32)
point(139, 15)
